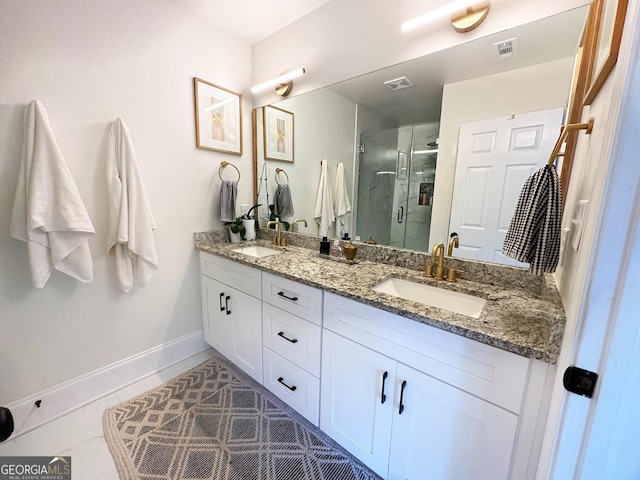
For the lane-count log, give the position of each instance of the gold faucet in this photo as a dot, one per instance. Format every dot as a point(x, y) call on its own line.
point(278, 239)
point(454, 242)
point(298, 221)
point(438, 251)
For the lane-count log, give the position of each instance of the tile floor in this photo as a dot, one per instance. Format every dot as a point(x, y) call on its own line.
point(79, 433)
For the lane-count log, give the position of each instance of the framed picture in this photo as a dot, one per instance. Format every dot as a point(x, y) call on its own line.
point(608, 33)
point(579, 86)
point(278, 134)
point(218, 117)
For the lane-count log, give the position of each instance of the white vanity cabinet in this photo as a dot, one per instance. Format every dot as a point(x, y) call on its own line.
point(231, 310)
point(292, 316)
point(453, 413)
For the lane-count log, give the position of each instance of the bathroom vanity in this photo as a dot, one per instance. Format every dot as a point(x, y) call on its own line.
point(412, 390)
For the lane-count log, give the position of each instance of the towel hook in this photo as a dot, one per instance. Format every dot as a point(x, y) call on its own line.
point(564, 133)
point(280, 170)
point(223, 164)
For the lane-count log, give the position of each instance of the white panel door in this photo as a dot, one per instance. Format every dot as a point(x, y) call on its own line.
point(444, 433)
point(495, 157)
point(353, 410)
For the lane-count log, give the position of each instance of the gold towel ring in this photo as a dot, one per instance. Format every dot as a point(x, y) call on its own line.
point(279, 170)
point(224, 164)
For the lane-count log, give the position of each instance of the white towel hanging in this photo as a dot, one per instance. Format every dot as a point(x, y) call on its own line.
point(131, 223)
point(48, 213)
point(341, 203)
point(323, 212)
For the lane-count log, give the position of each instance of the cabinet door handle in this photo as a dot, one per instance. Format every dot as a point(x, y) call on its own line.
point(401, 408)
point(221, 306)
point(292, 388)
point(292, 340)
point(383, 397)
point(400, 214)
point(226, 304)
point(293, 299)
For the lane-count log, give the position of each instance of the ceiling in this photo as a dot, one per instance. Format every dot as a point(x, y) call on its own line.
point(249, 20)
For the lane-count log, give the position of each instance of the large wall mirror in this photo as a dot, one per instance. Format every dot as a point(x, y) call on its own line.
point(408, 137)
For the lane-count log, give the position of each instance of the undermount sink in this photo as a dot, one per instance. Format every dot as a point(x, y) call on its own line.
point(433, 296)
point(257, 251)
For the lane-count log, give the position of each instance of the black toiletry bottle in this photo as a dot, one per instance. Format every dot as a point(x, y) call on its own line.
point(325, 246)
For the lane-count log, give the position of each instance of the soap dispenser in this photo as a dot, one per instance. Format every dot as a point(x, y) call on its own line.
point(325, 246)
point(336, 249)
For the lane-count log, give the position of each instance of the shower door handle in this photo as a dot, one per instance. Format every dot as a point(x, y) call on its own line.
point(400, 214)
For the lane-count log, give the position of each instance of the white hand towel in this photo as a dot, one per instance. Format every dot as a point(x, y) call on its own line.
point(131, 223)
point(341, 203)
point(48, 213)
point(323, 211)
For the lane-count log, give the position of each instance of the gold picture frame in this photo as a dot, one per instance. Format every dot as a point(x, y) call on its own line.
point(278, 134)
point(605, 49)
point(218, 117)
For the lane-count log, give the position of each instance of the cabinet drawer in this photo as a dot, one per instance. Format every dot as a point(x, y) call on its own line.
point(299, 389)
point(236, 275)
point(482, 370)
point(292, 337)
point(294, 297)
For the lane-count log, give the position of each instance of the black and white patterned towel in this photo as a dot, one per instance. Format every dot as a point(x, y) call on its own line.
point(534, 233)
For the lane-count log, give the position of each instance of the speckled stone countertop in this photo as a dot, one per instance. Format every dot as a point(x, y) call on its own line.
point(526, 317)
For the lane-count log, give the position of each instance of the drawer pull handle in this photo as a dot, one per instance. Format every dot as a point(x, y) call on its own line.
point(401, 409)
point(293, 299)
point(292, 388)
point(292, 340)
point(221, 306)
point(226, 304)
point(383, 397)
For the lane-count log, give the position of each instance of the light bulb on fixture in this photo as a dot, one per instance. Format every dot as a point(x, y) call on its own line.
point(283, 79)
point(465, 15)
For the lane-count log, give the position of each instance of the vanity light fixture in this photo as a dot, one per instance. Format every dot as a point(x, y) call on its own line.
point(283, 83)
point(465, 15)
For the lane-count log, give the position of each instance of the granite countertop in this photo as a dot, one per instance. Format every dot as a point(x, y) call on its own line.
point(527, 323)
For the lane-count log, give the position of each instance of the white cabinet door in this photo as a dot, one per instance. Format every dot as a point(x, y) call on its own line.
point(446, 433)
point(232, 322)
point(353, 411)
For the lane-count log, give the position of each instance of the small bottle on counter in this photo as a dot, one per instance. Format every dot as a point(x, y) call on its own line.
point(336, 249)
point(325, 246)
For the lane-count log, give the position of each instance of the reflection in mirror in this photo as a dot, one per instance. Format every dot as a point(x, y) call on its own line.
point(398, 196)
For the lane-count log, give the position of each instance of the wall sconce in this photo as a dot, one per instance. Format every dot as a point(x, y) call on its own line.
point(465, 15)
point(283, 83)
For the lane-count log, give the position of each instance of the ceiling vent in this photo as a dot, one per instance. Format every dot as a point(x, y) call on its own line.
point(399, 83)
point(507, 48)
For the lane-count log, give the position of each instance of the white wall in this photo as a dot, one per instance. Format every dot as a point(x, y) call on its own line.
point(529, 89)
point(324, 128)
point(575, 273)
point(89, 62)
point(346, 38)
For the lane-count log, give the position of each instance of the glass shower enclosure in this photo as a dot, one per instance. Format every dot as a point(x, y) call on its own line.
point(395, 187)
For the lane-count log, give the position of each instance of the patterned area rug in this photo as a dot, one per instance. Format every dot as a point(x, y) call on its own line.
point(212, 422)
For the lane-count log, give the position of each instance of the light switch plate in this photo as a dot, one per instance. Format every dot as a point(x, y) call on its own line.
point(578, 224)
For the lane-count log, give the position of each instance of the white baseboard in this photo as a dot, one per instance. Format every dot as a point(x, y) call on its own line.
point(71, 395)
